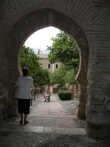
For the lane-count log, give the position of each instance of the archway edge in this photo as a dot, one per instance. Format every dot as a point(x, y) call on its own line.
point(79, 10)
point(29, 24)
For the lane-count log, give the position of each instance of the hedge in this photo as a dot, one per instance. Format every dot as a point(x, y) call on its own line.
point(64, 95)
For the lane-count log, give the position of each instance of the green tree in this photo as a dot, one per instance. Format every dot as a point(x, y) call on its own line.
point(42, 77)
point(70, 77)
point(65, 50)
point(57, 77)
point(30, 60)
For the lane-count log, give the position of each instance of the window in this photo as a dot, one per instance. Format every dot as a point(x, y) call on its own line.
point(56, 66)
point(48, 66)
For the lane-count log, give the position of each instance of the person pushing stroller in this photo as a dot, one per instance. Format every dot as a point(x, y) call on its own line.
point(47, 95)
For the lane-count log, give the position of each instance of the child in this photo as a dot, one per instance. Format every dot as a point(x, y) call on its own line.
point(48, 94)
point(45, 98)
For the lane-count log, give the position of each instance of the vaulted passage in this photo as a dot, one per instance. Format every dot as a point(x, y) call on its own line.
point(89, 23)
point(29, 24)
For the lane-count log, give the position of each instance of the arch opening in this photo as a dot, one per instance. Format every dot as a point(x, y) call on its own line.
point(37, 43)
point(40, 19)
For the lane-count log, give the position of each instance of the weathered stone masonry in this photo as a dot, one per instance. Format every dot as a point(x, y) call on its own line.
point(89, 23)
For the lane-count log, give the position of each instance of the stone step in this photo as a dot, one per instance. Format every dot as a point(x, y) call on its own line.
point(42, 129)
point(34, 139)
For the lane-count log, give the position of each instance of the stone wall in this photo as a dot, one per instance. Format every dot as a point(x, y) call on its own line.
point(88, 22)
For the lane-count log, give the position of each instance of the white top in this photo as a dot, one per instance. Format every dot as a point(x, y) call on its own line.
point(24, 85)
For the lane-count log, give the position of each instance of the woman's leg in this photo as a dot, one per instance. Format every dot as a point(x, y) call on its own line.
point(27, 111)
point(20, 110)
point(25, 117)
point(21, 118)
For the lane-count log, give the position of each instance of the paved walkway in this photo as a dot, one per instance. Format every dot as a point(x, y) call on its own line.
point(51, 124)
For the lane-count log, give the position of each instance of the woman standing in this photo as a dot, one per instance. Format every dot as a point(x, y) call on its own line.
point(24, 86)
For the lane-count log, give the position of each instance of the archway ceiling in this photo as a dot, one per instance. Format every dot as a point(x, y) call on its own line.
point(47, 17)
point(81, 11)
point(43, 18)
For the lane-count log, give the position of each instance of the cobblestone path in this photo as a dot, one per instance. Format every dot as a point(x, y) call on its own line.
point(52, 124)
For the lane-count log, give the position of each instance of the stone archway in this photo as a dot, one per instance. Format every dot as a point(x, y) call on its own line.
point(28, 24)
point(93, 17)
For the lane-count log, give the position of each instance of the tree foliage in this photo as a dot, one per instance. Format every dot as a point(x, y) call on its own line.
point(65, 50)
point(30, 60)
point(70, 77)
point(57, 77)
point(63, 77)
point(42, 77)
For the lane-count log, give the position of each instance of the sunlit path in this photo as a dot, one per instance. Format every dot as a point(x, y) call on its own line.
point(50, 124)
point(51, 114)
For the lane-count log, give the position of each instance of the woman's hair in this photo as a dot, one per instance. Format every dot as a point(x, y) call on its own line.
point(25, 71)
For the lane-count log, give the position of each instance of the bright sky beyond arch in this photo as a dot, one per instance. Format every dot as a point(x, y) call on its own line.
point(41, 39)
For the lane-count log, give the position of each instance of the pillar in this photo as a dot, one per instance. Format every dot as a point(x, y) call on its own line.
point(98, 105)
point(82, 79)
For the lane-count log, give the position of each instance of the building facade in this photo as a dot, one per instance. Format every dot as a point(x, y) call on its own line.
point(44, 62)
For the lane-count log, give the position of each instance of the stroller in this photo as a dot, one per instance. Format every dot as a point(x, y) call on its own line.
point(47, 98)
